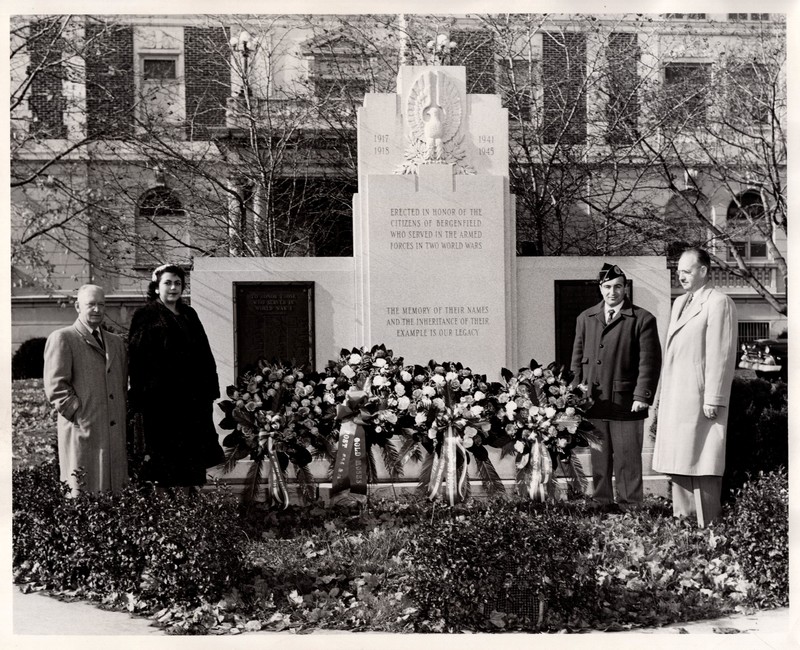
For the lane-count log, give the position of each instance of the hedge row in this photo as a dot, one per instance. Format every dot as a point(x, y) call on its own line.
point(398, 566)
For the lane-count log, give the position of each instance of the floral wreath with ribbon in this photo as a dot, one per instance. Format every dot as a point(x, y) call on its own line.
point(275, 414)
point(452, 424)
point(542, 415)
point(367, 388)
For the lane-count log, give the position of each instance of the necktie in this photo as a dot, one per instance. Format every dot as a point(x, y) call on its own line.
point(97, 338)
point(610, 316)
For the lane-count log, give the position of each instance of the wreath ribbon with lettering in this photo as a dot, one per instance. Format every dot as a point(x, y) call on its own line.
point(350, 466)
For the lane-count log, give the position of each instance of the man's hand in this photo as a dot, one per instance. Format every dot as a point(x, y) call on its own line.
point(639, 406)
point(710, 411)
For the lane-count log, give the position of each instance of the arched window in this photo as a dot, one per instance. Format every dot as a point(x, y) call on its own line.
point(162, 229)
point(745, 215)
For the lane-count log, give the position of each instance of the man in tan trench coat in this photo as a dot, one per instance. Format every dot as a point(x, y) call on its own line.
point(699, 361)
point(85, 379)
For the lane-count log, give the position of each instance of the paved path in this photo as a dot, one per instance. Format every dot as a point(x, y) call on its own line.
point(37, 614)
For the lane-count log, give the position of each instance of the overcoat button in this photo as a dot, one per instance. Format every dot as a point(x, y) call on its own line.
point(113, 422)
point(599, 362)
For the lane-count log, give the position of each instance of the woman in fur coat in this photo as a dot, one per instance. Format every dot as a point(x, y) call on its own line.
point(173, 385)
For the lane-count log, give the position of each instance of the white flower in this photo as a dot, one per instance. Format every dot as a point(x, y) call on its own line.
point(438, 380)
point(406, 376)
point(429, 391)
point(399, 389)
point(476, 409)
point(468, 442)
point(519, 446)
point(379, 363)
point(439, 403)
point(354, 359)
point(348, 372)
point(389, 416)
point(470, 432)
point(537, 372)
point(479, 396)
point(550, 412)
point(328, 381)
point(432, 433)
point(420, 418)
point(403, 403)
point(379, 381)
point(570, 411)
point(466, 384)
point(450, 376)
point(503, 398)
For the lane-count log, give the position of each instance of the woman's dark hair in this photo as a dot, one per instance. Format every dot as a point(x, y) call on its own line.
point(152, 288)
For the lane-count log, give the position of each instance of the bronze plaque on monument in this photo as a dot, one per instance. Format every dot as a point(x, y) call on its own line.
point(274, 321)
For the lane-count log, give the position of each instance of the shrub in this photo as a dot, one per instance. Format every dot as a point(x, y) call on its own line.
point(28, 360)
point(655, 570)
point(758, 431)
point(466, 566)
point(758, 528)
point(33, 424)
point(154, 548)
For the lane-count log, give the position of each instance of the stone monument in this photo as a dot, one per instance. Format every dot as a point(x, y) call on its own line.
point(434, 222)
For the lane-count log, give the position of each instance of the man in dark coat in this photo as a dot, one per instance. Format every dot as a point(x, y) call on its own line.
point(617, 354)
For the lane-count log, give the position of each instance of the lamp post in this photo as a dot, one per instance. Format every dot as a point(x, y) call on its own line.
point(441, 47)
point(245, 45)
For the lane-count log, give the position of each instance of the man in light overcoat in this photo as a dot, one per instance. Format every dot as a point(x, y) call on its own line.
point(699, 364)
point(85, 379)
point(617, 354)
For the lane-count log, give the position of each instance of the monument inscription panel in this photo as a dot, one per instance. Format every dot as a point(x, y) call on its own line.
point(274, 320)
point(435, 266)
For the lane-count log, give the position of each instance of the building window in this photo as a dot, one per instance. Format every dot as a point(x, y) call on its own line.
point(686, 16)
point(740, 17)
point(749, 92)
point(516, 83)
point(162, 229)
point(745, 219)
point(160, 102)
point(686, 86)
point(161, 68)
point(750, 331)
point(564, 88)
point(622, 103)
point(683, 222)
point(337, 71)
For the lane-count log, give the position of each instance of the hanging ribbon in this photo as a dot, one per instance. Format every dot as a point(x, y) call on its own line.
point(277, 483)
point(445, 466)
point(350, 466)
point(535, 471)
